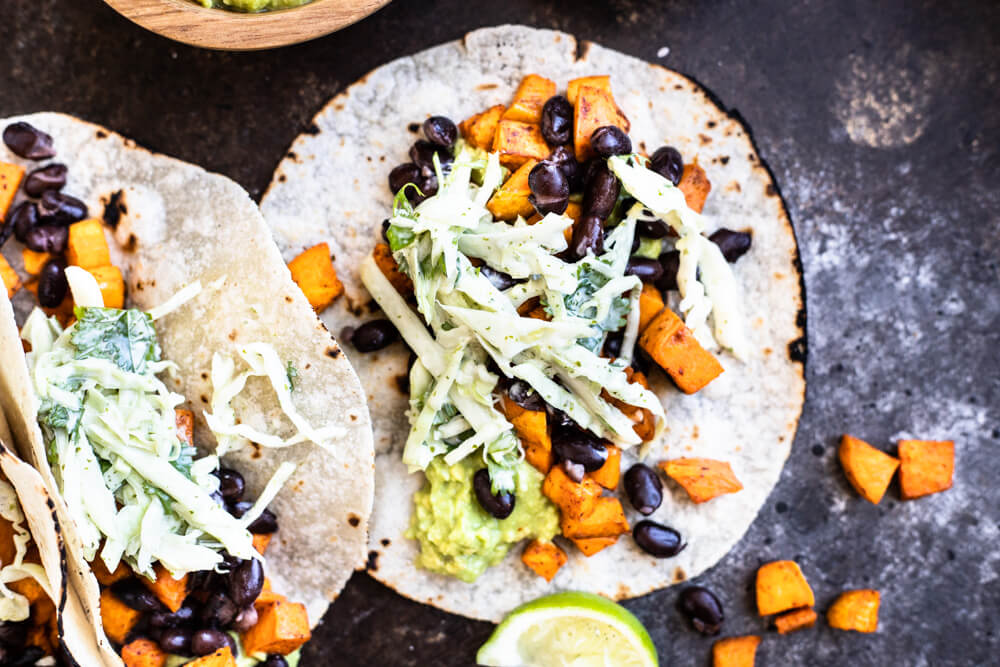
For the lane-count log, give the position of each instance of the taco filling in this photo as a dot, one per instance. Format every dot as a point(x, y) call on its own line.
point(528, 262)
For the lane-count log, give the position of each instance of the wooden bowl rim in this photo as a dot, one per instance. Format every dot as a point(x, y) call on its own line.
point(188, 22)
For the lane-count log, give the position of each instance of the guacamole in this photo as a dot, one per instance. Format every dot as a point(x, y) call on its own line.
point(252, 5)
point(457, 536)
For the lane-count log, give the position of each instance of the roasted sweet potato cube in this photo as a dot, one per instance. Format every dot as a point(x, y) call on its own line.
point(87, 246)
point(602, 82)
point(797, 619)
point(545, 558)
point(313, 272)
point(575, 499)
point(222, 657)
point(675, 349)
point(171, 592)
point(281, 628)
point(869, 470)
point(591, 545)
point(34, 261)
point(519, 142)
point(782, 586)
point(9, 277)
point(390, 269)
point(29, 588)
point(184, 419)
point(695, 185)
point(511, 199)
point(11, 176)
point(117, 617)
point(703, 479)
point(143, 653)
point(650, 305)
point(855, 610)
point(735, 651)
point(529, 99)
point(607, 475)
point(925, 467)
point(480, 129)
point(109, 279)
point(605, 519)
point(531, 427)
point(594, 108)
point(260, 542)
point(106, 578)
point(8, 550)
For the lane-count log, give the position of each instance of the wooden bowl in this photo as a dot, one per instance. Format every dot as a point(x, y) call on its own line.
point(189, 22)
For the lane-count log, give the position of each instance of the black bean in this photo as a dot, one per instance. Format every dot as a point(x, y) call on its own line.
point(266, 523)
point(422, 154)
point(647, 270)
point(403, 174)
point(218, 611)
point(385, 230)
point(589, 169)
point(176, 641)
point(374, 335)
point(245, 582)
point(613, 344)
point(346, 334)
point(49, 177)
point(610, 140)
point(573, 470)
point(26, 657)
point(668, 163)
point(52, 285)
point(231, 484)
point(654, 229)
point(274, 660)
point(636, 240)
point(521, 393)
point(601, 194)
point(549, 188)
point(588, 234)
point(703, 609)
point(732, 244)
point(22, 219)
point(217, 497)
point(428, 187)
point(499, 505)
point(166, 619)
point(571, 169)
point(208, 641)
point(240, 508)
point(441, 131)
point(499, 279)
point(643, 488)
point(670, 261)
point(47, 238)
point(135, 595)
point(641, 361)
point(60, 208)
point(246, 619)
point(572, 443)
point(657, 540)
point(557, 120)
point(28, 141)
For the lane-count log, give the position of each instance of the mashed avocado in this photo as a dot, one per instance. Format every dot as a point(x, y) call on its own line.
point(457, 536)
point(252, 5)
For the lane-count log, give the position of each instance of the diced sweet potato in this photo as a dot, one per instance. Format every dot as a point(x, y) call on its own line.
point(260, 542)
point(605, 519)
point(695, 185)
point(594, 108)
point(8, 550)
point(529, 99)
point(42, 636)
point(222, 657)
point(29, 588)
point(313, 272)
point(531, 427)
point(703, 479)
point(869, 470)
point(855, 610)
point(519, 142)
point(545, 558)
point(9, 277)
point(591, 545)
point(109, 279)
point(87, 246)
point(480, 129)
point(117, 618)
point(143, 653)
point(11, 176)
point(735, 651)
point(34, 261)
point(782, 586)
point(797, 619)
point(43, 609)
point(650, 305)
point(266, 599)
point(184, 419)
point(575, 499)
point(390, 269)
point(675, 349)
point(607, 475)
point(281, 628)
point(106, 578)
point(511, 199)
point(602, 82)
point(925, 467)
point(171, 592)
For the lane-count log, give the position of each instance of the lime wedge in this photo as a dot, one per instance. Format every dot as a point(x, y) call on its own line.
point(563, 629)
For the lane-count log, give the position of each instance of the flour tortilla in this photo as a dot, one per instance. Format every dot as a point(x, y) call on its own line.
point(176, 224)
point(332, 187)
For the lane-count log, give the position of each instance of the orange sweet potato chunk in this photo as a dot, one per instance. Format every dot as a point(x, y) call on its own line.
point(34, 261)
point(11, 176)
point(390, 269)
point(735, 651)
point(855, 610)
point(171, 592)
point(925, 467)
point(519, 142)
point(117, 618)
point(695, 185)
point(184, 419)
point(143, 653)
point(223, 657)
point(112, 285)
point(869, 470)
point(531, 426)
point(605, 519)
point(545, 558)
point(532, 94)
point(650, 305)
point(281, 628)
point(703, 479)
point(106, 578)
point(9, 277)
point(594, 107)
point(797, 619)
point(480, 129)
point(313, 272)
point(782, 586)
point(591, 545)
point(511, 199)
point(260, 542)
point(29, 588)
point(602, 82)
point(608, 474)
point(575, 499)
point(674, 348)
point(87, 246)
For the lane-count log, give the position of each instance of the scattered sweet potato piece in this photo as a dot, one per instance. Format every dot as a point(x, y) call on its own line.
point(87, 246)
point(117, 618)
point(260, 542)
point(143, 653)
point(9, 277)
point(7, 548)
point(575, 499)
point(605, 519)
point(602, 82)
point(313, 272)
point(695, 185)
point(185, 426)
point(223, 657)
point(735, 651)
point(855, 610)
point(519, 142)
point(545, 558)
point(106, 578)
point(281, 628)
point(171, 592)
point(267, 598)
point(797, 619)
point(703, 479)
point(109, 279)
point(608, 474)
point(390, 269)
point(782, 586)
point(34, 261)
point(29, 588)
point(531, 427)
point(480, 129)
point(594, 108)
point(11, 176)
point(591, 545)
point(925, 467)
point(511, 199)
point(532, 94)
point(869, 470)
point(650, 305)
point(675, 349)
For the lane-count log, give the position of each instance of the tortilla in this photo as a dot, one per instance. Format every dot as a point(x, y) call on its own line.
point(332, 187)
point(176, 223)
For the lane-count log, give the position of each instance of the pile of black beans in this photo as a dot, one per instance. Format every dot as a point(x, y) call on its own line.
point(13, 650)
point(42, 221)
point(219, 603)
point(441, 134)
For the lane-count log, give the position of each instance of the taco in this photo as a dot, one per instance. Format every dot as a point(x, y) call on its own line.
point(542, 261)
point(206, 444)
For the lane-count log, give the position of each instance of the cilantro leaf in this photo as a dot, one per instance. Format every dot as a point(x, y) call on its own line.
point(124, 337)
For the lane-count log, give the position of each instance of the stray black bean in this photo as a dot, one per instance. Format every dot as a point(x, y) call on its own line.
point(702, 608)
point(60, 208)
point(668, 163)
point(557, 120)
point(549, 188)
point(176, 641)
point(601, 194)
point(166, 619)
point(499, 505)
point(440, 130)
point(266, 523)
point(647, 270)
point(422, 154)
point(28, 141)
point(47, 238)
point(732, 244)
point(374, 335)
point(571, 169)
point(22, 219)
point(208, 641)
point(654, 229)
point(403, 174)
point(246, 619)
point(572, 443)
point(52, 285)
point(521, 393)
point(657, 540)
point(49, 177)
point(670, 261)
point(499, 279)
point(245, 582)
point(231, 484)
point(643, 488)
point(135, 596)
point(610, 140)
point(588, 234)
point(274, 660)
point(218, 611)
point(613, 345)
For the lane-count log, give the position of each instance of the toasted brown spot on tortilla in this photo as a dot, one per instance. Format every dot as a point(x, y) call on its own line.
point(131, 243)
point(711, 124)
point(768, 351)
point(734, 187)
point(354, 418)
point(288, 299)
point(642, 146)
point(101, 134)
point(798, 350)
point(354, 520)
point(256, 451)
point(312, 128)
point(778, 275)
point(679, 575)
point(204, 376)
point(282, 178)
point(724, 159)
point(413, 127)
point(292, 156)
point(751, 157)
point(705, 139)
point(232, 335)
point(769, 190)
point(386, 542)
point(695, 432)
point(372, 564)
point(332, 351)
point(403, 383)
point(486, 86)
point(582, 49)
point(678, 86)
point(113, 209)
